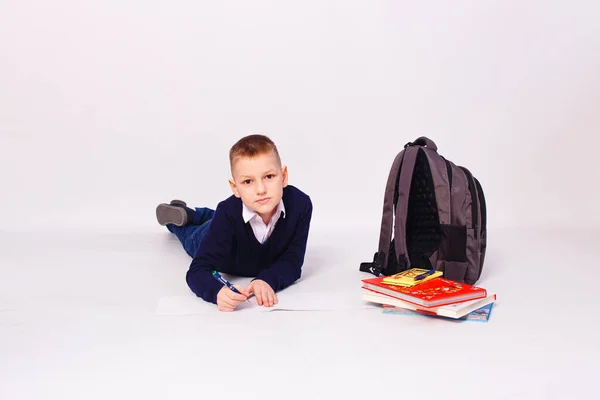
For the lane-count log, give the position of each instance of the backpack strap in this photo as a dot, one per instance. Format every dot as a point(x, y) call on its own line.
point(387, 219)
point(397, 192)
point(441, 174)
point(404, 182)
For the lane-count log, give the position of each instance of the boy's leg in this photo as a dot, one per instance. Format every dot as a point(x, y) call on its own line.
point(191, 235)
point(201, 215)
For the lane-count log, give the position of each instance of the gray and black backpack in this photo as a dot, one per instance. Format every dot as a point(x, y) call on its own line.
point(434, 217)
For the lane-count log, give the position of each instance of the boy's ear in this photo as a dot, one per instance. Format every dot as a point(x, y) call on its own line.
point(284, 174)
point(234, 188)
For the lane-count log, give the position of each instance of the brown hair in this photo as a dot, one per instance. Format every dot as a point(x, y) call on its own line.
point(251, 146)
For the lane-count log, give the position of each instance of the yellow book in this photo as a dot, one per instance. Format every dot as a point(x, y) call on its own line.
point(407, 278)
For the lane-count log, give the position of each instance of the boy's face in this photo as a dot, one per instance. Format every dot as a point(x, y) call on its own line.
point(259, 182)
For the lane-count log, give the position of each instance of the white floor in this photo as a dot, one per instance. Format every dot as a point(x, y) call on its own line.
point(78, 321)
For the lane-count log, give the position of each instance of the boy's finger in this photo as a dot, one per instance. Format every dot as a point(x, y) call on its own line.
point(226, 304)
point(275, 298)
point(235, 296)
point(250, 287)
point(238, 297)
point(270, 299)
point(242, 290)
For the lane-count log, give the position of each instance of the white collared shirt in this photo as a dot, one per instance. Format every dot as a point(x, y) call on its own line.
point(260, 229)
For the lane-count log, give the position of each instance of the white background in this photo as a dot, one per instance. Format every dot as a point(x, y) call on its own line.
point(109, 108)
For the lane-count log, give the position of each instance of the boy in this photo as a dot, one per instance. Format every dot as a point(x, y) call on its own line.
point(260, 231)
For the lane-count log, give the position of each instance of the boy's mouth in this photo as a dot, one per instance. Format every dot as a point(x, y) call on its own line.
point(263, 201)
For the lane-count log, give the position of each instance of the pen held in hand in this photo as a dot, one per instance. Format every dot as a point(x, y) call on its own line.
point(224, 282)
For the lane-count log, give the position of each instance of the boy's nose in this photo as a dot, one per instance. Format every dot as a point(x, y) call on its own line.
point(260, 188)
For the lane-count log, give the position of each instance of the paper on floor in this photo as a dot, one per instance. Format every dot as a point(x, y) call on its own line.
point(297, 301)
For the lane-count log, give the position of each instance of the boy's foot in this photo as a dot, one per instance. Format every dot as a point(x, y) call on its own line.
point(176, 213)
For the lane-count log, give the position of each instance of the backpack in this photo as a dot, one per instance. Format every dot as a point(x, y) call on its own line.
point(438, 214)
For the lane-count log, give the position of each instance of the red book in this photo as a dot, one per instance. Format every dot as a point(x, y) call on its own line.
point(433, 293)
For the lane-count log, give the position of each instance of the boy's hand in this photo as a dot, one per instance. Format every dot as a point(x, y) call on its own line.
point(228, 300)
point(263, 292)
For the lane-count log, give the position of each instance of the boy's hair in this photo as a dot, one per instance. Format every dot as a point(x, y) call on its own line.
point(251, 146)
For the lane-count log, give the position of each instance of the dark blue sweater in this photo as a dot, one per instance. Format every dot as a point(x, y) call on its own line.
point(230, 246)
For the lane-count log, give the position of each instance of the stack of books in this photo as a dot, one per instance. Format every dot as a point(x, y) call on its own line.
point(427, 292)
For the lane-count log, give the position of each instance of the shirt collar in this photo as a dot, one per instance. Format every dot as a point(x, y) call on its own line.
point(248, 214)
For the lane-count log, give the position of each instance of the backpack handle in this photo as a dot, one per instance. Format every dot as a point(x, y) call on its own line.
point(423, 141)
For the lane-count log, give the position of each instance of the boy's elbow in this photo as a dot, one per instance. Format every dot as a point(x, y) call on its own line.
point(295, 275)
point(284, 280)
point(192, 281)
point(201, 286)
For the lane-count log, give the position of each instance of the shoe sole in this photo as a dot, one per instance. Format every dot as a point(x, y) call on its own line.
point(167, 214)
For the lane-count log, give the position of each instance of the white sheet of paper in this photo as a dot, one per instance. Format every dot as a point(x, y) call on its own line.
point(329, 301)
point(298, 301)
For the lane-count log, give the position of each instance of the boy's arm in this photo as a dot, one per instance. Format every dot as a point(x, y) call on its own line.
point(288, 268)
point(214, 247)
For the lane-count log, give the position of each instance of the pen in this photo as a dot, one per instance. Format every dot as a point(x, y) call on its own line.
point(424, 275)
point(224, 282)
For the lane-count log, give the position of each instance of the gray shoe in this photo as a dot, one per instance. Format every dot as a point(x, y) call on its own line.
point(173, 213)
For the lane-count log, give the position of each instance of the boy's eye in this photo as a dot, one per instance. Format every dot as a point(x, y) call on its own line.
point(270, 176)
point(247, 182)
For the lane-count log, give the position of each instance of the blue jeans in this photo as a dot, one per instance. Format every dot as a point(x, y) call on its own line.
point(191, 235)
